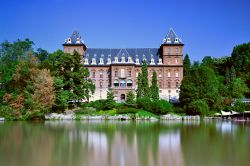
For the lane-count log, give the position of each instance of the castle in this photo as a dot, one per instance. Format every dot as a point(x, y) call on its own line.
point(118, 68)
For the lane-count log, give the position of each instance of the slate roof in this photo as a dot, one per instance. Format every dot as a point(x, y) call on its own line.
point(171, 38)
point(141, 53)
point(73, 39)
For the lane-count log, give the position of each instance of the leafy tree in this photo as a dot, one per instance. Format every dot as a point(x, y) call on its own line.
point(130, 98)
point(239, 88)
point(110, 102)
point(186, 65)
point(227, 77)
point(72, 79)
point(144, 80)
point(139, 86)
point(199, 107)
point(232, 74)
point(41, 54)
point(154, 87)
point(208, 62)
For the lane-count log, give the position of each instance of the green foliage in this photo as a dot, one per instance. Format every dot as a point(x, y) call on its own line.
point(198, 107)
point(239, 88)
point(98, 104)
point(239, 106)
point(139, 86)
point(143, 87)
point(154, 87)
point(130, 98)
point(186, 65)
point(158, 107)
point(110, 102)
point(128, 110)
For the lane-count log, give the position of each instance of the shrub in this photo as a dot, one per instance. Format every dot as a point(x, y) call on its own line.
point(98, 104)
point(127, 111)
point(199, 107)
point(161, 107)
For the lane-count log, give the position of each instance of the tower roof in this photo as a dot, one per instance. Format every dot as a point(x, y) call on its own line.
point(172, 39)
point(74, 39)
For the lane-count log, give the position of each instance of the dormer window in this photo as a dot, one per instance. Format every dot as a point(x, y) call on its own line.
point(109, 60)
point(130, 59)
point(116, 59)
point(176, 40)
point(144, 58)
point(137, 61)
point(152, 61)
point(168, 40)
point(69, 40)
point(123, 59)
point(101, 62)
point(78, 40)
point(93, 60)
point(86, 61)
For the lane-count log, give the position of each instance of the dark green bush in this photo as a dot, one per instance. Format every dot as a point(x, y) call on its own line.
point(127, 111)
point(158, 107)
point(98, 104)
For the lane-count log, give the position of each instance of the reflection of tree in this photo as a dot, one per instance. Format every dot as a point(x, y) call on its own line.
point(87, 143)
point(207, 144)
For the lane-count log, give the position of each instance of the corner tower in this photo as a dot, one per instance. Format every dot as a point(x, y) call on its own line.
point(74, 43)
point(172, 49)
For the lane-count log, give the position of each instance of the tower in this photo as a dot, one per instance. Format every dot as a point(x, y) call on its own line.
point(74, 43)
point(172, 49)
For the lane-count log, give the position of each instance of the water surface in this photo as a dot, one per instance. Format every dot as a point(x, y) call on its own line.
point(109, 143)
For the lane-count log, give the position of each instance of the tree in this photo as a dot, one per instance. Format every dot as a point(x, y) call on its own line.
point(110, 102)
point(130, 98)
point(154, 87)
point(144, 80)
point(41, 54)
point(72, 79)
point(139, 86)
point(186, 65)
point(232, 74)
point(227, 77)
point(199, 107)
point(208, 61)
point(239, 88)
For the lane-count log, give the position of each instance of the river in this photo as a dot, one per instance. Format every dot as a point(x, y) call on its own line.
point(125, 143)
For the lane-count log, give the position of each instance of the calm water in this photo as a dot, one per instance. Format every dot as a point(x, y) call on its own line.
point(124, 143)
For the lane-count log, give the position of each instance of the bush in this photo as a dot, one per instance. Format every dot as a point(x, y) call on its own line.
point(98, 104)
point(127, 111)
point(199, 107)
point(158, 107)
point(161, 107)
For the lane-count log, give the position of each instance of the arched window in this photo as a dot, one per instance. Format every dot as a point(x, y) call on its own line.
point(116, 83)
point(169, 73)
point(101, 73)
point(116, 73)
point(123, 83)
point(129, 83)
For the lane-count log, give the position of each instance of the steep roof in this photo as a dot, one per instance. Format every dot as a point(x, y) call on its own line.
point(171, 38)
point(134, 53)
point(74, 39)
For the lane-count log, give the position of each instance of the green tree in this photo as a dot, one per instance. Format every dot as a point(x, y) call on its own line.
point(239, 88)
point(72, 79)
point(232, 74)
point(227, 77)
point(144, 80)
point(199, 107)
point(130, 98)
point(110, 102)
point(139, 86)
point(154, 87)
point(186, 65)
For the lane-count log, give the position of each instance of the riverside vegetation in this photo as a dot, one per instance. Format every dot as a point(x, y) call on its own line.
point(34, 83)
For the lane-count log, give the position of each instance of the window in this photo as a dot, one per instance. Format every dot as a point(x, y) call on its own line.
point(101, 84)
point(177, 91)
point(169, 74)
point(122, 73)
point(123, 83)
point(160, 91)
point(160, 85)
point(101, 74)
point(177, 84)
point(169, 84)
point(129, 73)
point(116, 73)
point(169, 91)
point(93, 74)
point(129, 83)
point(136, 74)
point(116, 83)
point(176, 60)
point(176, 74)
point(169, 50)
point(116, 59)
point(176, 50)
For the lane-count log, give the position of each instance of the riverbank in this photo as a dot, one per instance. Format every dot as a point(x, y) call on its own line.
point(72, 116)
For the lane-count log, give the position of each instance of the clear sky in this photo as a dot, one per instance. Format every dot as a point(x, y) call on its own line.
point(207, 27)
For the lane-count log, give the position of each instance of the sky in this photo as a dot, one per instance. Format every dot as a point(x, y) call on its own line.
point(207, 27)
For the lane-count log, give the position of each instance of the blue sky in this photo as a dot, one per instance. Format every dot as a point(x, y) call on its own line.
point(207, 27)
